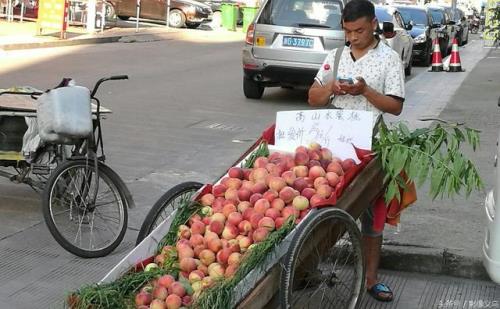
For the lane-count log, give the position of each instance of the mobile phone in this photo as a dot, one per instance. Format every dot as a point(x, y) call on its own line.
point(346, 80)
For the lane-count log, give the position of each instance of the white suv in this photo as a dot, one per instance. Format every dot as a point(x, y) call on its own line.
point(288, 41)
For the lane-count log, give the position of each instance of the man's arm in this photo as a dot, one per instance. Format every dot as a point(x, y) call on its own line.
point(319, 95)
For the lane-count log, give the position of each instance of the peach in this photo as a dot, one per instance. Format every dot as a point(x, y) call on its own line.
point(287, 194)
point(230, 232)
point(166, 280)
point(217, 227)
point(261, 206)
point(242, 206)
point(270, 195)
point(203, 268)
point(233, 183)
point(332, 178)
point(197, 286)
point(207, 257)
point(236, 172)
point(260, 162)
point(195, 217)
point(320, 181)
point(197, 249)
point(244, 243)
point(246, 173)
point(231, 195)
point(289, 211)
point(272, 213)
point(254, 198)
point(143, 298)
point(187, 264)
point(218, 217)
point(234, 259)
point(278, 222)
point(233, 245)
point(308, 193)
point(316, 200)
point(336, 168)
point(255, 218)
point(300, 202)
point(301, 171)
point(160, 292)
point(267, 223)
point(184, 231)
point(214, 244)
point(230, 271)
point(301, 158)
point(314, 146)
point(247, 184)
point(207, 199)
point(207, 282)
point(219, 190)
point(244, 227)
point(210, 235)
point(273, 169)
point(228, 209)
point(316, 171)
point(216, 271)
point(177, 288)
point(313, 163)
point(288, 177)
point(326, 154)
point(196, 239)
point(300, 184)
point(325, 191)
point(185, 252)
point(274, 157)
point(223, 255)
point(158, 304)
point(197, 227)
point(259, 175)
point(347, 164)
point(314, 154)
point(244, 194)
point(160, 259)
point(235, 218)
point(304, 213)
point(301, 149)
point(289, 162)
point(260, 234)
point(259, 187)
point(218, 204)
point(278, 204)
point(187, 300)
point(248, 213)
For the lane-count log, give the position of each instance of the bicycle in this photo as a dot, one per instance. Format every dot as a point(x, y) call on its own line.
point(84, 202)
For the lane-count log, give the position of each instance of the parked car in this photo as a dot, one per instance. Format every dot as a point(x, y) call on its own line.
point(461, 24)
point(444, 25)
point(288, 42)
point(395, 33)
point(188, 13)
point(215, 5)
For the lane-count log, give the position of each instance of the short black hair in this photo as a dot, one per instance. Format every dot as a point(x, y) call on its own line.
point(356, 9)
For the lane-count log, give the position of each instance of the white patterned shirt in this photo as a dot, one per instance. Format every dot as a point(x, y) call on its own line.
point(381, 69)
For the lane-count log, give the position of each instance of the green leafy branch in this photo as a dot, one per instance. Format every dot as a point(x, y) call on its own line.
point(432, 152)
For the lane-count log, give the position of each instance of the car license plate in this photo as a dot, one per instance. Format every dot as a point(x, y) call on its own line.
point(301, 42)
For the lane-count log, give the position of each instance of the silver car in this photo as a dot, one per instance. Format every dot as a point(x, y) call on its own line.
point(288, 42)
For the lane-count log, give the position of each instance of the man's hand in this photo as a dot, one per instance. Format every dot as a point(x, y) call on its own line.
point(355, 89)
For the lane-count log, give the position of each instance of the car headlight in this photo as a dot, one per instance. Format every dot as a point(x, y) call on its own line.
point(420, 38)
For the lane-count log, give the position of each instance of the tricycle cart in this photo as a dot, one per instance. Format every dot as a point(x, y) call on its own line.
point(84, 201)
point(319, 264)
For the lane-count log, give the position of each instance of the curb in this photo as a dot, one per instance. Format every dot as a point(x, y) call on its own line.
point(70, 42)
point(432, 261)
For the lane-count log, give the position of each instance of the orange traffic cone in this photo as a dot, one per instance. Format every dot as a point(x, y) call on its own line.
point(437, 60)
point(455, 65)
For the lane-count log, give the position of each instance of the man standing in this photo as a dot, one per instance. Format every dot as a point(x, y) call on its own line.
point(370, 77)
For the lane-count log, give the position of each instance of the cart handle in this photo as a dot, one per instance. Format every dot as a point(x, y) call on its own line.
point(99, 82)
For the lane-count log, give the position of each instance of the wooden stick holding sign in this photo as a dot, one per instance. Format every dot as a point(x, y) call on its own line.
point(335, 129)
point(138, 10)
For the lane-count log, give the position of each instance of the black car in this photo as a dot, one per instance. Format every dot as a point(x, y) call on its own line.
point(444, 25)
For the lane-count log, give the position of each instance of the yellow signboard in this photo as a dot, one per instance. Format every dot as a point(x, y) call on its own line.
point(52, 15)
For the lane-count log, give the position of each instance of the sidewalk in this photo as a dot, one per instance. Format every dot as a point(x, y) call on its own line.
point(446, 236)
point(16, 35)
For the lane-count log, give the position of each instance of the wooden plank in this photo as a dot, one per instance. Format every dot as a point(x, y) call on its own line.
point(17, 102)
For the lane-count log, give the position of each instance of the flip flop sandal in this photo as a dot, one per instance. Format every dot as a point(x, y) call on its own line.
point(378, 290)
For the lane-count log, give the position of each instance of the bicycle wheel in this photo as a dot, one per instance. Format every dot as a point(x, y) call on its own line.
point(86, 214)
point(165, 205)
point(324, 266)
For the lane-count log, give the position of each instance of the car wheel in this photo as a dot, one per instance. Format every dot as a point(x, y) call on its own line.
point(216, 19)
point(408, 68)
point(109, 12)
point(122, 17)
point(177, 19)
point(252, 89)
point(192, 25)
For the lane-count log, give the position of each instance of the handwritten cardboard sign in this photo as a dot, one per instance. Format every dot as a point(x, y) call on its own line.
point(335, 129)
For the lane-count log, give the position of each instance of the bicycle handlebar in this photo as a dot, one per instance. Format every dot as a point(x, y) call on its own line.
point(99, 82)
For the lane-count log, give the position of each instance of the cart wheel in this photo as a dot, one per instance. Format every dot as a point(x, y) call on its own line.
point(86, 214)
point(165, 205)
point(324, 266)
